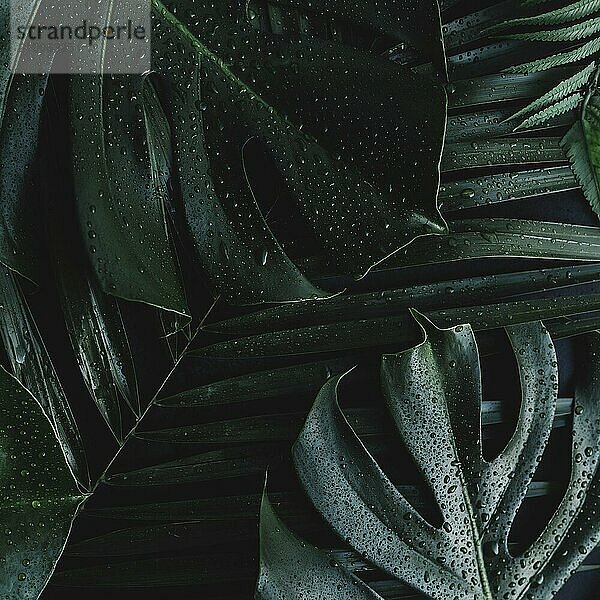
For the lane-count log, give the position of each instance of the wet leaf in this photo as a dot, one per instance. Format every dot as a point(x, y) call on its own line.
point(582, 143)
point(433, 393)
point(39, 495)
point(33, 367)
point(334, 186)
point(121, 211)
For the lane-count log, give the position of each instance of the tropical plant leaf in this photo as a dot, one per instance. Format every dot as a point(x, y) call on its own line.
point(291, 568)
point(491, 189)
point(288, 381)
point(202, 523)
point(582, 143)
point(572, 12)
point(229, 509)
point(477, 238)
point(286, 426)
point(556, 94)
point(416, 25)
point(556, 60)
point(443, 294)
point(566, 34)
point(19, 123)
point(477, 92)
point(508, 151)
point(100, 342)
point(95, 326)
point(216, 464)
point(120, 210)
point(396, 330)
point(32, 366)
point(461, 32)
point(39, 494)
point(21, 100)
point(551, 112)
point(433, 393)
point(354, 175)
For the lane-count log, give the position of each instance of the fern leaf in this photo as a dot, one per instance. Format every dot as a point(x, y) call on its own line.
point(562, 90)
point(556, 60)
point(550, 112)
point(530, 3)
point(572, 33)
point(582, 144)
point(565, 14)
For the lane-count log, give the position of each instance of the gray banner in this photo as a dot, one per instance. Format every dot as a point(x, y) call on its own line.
point(79, 36)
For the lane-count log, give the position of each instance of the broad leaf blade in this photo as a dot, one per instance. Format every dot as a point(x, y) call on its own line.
point(39, 495)
point(120, 210)
point(293, 569)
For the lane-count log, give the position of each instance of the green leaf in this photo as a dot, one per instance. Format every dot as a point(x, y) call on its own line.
point(496, 152)
point(215, 521)
point(120, 209)
point(565, 88)
point(416, 24)
point(19, 128)
point(353, 197)
point(464, 31)
point(551, 112)
point(480, 238)
point(443, 294)
point(396, 330)
point(491, 189)
point(504, 87)
point(288, 381)
point(573, 530)
point(218, 464)
point(566, 34)
point(245, 508)
point(33, 367)
point(286, 426)
point(94, 324)
point(572, 12)
point(21, 101)
point(100, 343)
point(433, 393)
point(39, 494)
point(582, 144)
point(291, 568)
point(556, 60)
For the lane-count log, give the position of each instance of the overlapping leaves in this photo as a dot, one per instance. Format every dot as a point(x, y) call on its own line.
point(576, 26)
point(433, 393)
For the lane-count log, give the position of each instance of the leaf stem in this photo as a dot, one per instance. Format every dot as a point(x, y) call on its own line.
point(152, 402)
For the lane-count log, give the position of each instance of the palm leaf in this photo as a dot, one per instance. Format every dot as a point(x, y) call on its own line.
point(32, 366)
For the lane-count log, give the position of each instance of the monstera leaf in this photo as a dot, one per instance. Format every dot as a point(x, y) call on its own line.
point(270, 120)
point(433, 393)
point(282, 151)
